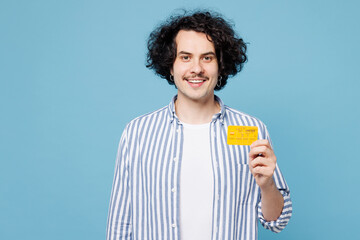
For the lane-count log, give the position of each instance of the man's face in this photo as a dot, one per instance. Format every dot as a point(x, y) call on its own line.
point(195, 69)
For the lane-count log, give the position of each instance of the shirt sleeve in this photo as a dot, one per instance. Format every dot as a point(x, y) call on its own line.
point(279, 224)
point(119, 223)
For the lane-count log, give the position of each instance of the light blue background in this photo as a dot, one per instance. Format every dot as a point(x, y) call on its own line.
point(72, 75)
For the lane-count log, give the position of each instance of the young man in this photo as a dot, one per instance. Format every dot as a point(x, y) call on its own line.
point(176, 176)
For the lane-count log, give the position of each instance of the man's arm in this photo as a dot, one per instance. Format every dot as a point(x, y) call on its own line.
point(262, 165)
point(275, 208)
point(119, 217)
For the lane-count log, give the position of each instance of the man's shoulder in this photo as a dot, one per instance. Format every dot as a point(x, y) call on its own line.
point(232, 113)
point(161, 114)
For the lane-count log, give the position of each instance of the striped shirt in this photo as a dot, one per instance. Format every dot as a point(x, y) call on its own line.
point(144, 202)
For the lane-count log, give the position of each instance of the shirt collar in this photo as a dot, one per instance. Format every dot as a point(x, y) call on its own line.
point(220, 115)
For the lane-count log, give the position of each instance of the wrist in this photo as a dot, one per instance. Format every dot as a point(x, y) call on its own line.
point(268, 187)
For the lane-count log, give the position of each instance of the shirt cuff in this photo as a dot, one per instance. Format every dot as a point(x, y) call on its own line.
point(279, 224)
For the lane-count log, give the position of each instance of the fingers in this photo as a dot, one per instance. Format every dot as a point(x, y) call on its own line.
point(260, 147)
point(262, 170)
point(260, 163)
point(262, 160)
point(261, 142)
point(261, 150)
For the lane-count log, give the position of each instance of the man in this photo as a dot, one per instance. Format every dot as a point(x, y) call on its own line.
point(176, 176)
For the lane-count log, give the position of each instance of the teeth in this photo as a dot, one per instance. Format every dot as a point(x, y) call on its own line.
point(195, 81)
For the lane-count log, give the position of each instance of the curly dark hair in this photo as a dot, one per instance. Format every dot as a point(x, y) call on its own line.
point(230, 50)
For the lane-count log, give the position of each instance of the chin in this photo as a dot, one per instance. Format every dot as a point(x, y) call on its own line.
point(197, 96)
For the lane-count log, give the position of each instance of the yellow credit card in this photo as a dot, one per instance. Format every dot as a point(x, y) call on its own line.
point(242, 135)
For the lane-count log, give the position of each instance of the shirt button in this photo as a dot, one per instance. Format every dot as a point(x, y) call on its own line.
point(178, 130)
point(173, 225)
point(175, 159)
point(173, 190)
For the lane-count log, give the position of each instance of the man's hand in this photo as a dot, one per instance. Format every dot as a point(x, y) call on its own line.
point(262, 163)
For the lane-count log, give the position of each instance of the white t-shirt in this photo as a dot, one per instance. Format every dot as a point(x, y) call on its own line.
point(196, 183)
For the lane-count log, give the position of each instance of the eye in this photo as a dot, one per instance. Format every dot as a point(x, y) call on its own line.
point(185, 58)
point(208, 58)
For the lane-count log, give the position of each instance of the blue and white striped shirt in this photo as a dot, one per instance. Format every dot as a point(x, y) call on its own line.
point(145, 198)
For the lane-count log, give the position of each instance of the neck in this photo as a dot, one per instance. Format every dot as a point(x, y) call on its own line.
point(196, 111)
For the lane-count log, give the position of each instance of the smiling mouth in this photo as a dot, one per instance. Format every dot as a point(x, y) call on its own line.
point(196, 80)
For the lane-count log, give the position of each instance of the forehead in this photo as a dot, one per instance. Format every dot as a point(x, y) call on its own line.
point(193, 42)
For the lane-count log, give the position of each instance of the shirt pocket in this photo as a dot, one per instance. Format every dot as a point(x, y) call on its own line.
point(248, 190)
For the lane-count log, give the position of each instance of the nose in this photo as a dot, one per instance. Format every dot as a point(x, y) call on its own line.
point(197, 68)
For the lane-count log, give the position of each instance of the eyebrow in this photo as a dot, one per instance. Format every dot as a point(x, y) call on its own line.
point(207, 53)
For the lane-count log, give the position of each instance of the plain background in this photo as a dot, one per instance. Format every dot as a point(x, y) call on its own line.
point(73, 74)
